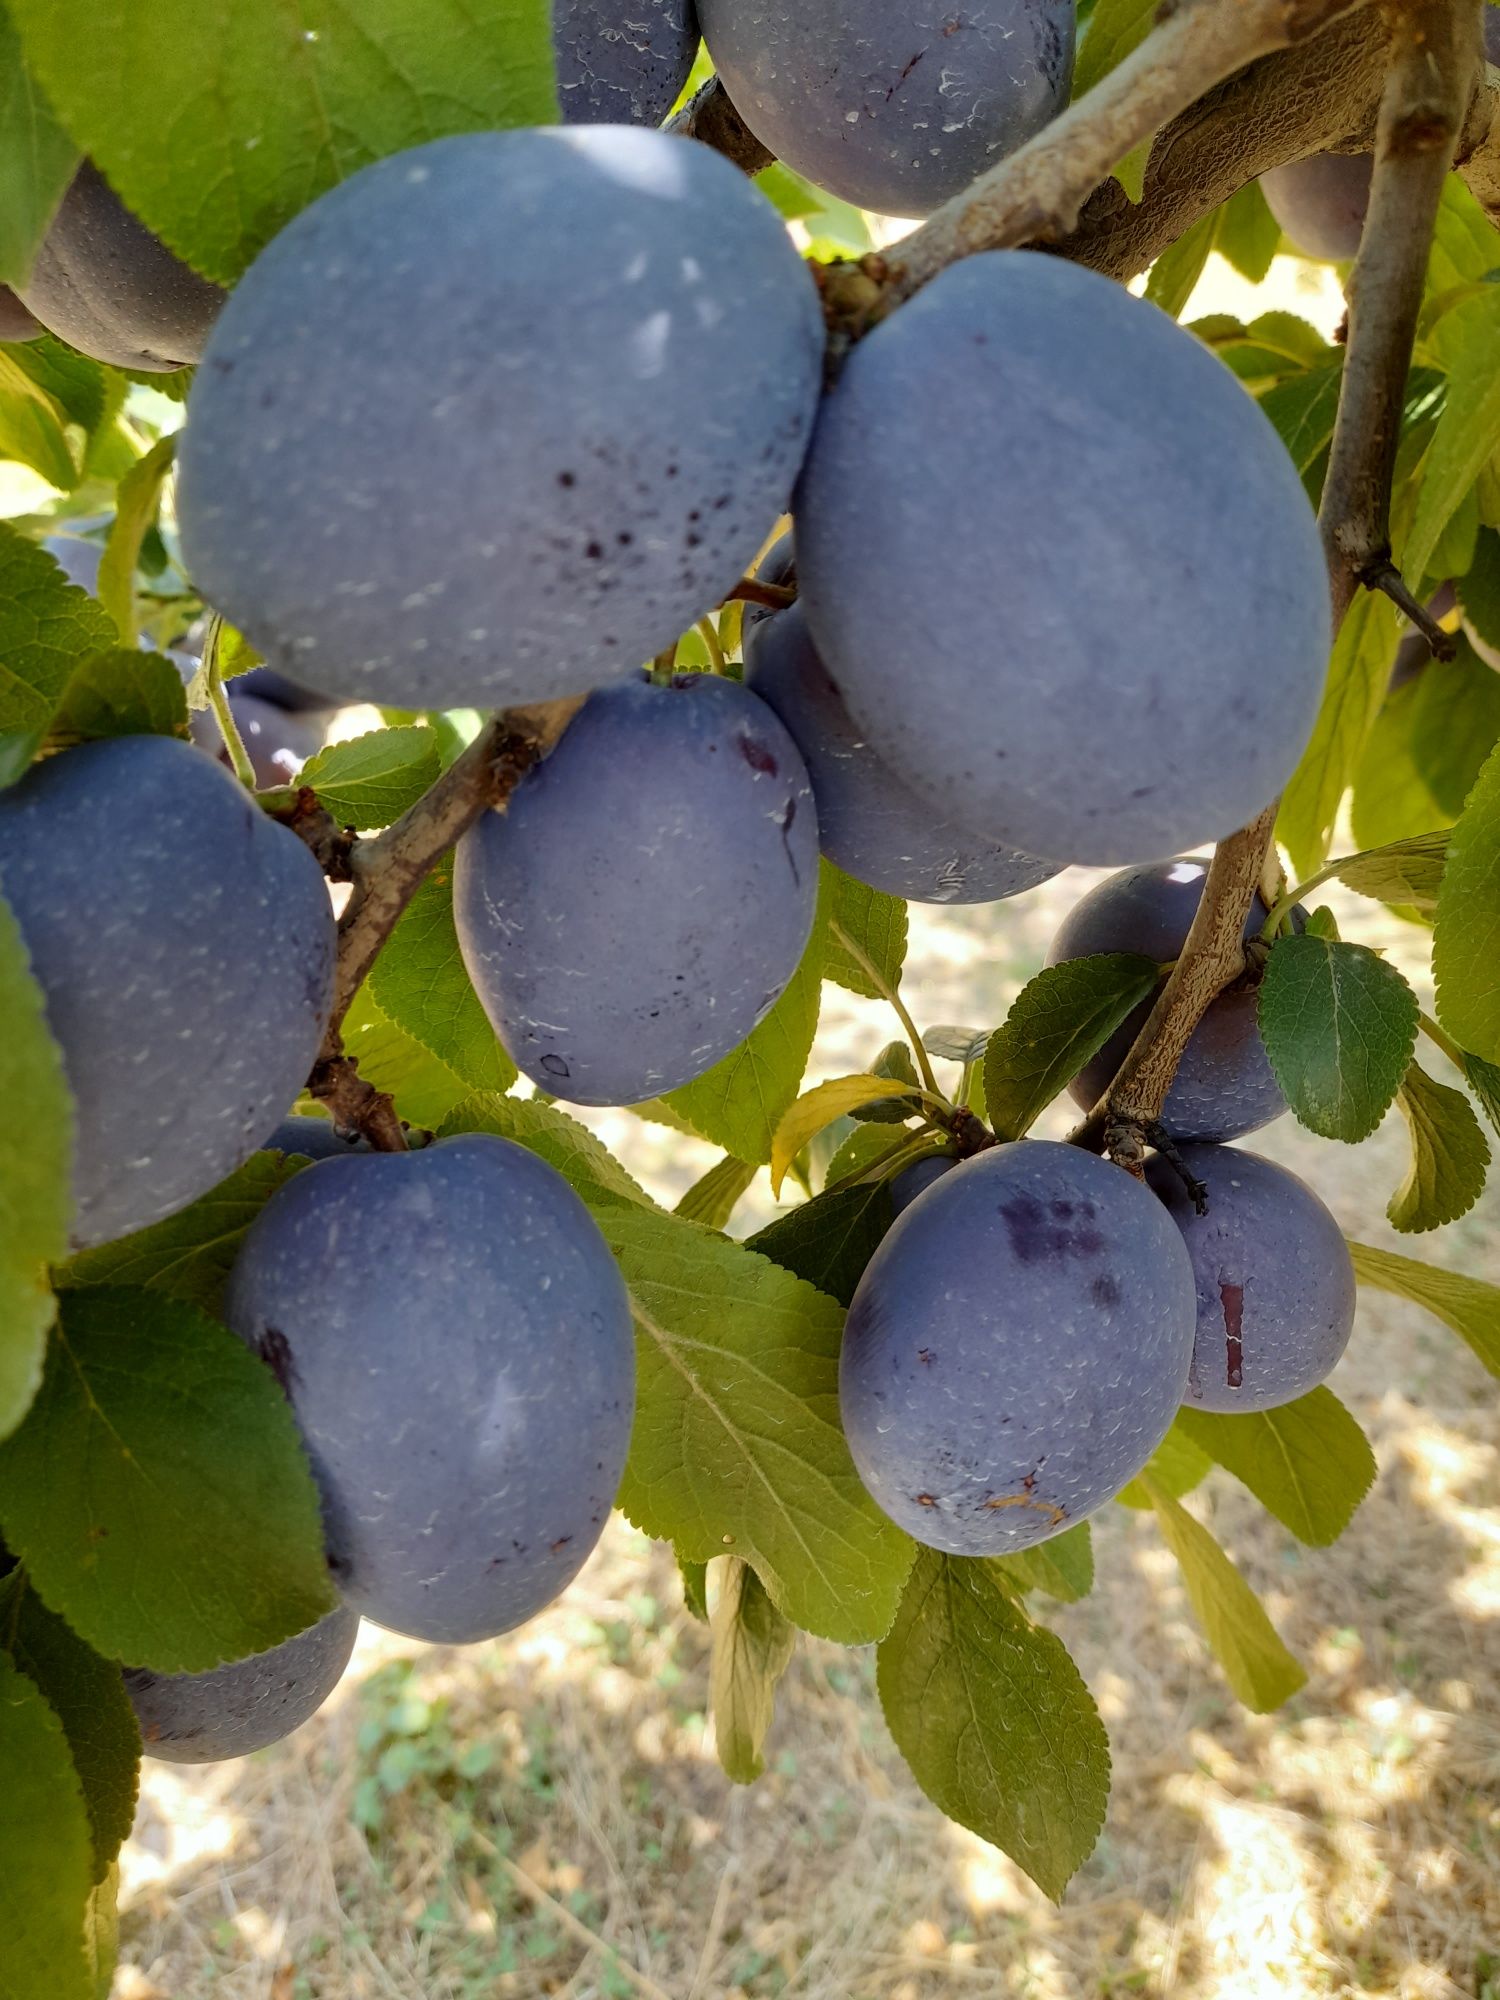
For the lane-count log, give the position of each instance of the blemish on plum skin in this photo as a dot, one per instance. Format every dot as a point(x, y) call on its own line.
point(275, 1350)
point(758, 757)
point(1036, 1236)
point(1232, 1298)
point(1105, 1291)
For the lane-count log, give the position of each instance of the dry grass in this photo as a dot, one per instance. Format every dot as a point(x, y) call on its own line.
point(545, 1816)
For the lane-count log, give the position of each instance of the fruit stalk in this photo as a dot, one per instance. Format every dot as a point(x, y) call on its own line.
point(710, 117)
point(1434, 52)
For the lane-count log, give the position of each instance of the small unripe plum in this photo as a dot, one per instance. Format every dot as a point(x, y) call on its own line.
point(622, 62)
point(106, 285)
point(15, 322)
point(870, 821)
point(1054, 673)
point(601, 440)
point(917, 1179)
point(455, 1341)
point(1017, 1348)
point(312, 1139)
point(894, 105)
point(1224, 1086)
point(1320, 202)
point(1275, 1281)
point(648, 892)
point(236, 1710)
point(184, 946)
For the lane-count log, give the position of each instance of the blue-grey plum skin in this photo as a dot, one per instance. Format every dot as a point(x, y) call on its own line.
point(312, 1139)
point(1054, 670)
point(601, 440)
point(106, 285)
point(648, 893)
point(455, 1341)
point(871, 823)
point(1224, 1086)
point(894, 105)
point(1274, 1278)
point(916, 1180)
point(622, 62)
point(1320, 202)
point(777, 566)
point(184, 946)
point(1017, 1348)
point(236, 1710)
point(278, 741)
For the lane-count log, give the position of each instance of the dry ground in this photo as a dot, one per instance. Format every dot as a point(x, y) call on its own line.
point(545, 1817)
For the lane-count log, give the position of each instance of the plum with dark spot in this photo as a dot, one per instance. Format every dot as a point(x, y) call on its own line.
point(109, 287)
point(1274, 1278)
point(455, 1341)
point(1320, 202)
point(1058, 678)
point(1224, 1086)
point(622, 62)
point(277, 741)
point(184, 946)
point(1017, 1348)
point(15, 322)
point(871, 823)
point(917, 1179)
point(569, 422)
point(894, 105)
point(648, 893)
point(236, 1710)
point(312, 1139)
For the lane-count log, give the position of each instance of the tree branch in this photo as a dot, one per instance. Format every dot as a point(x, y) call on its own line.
point(387, 873)
point(1434, 51)
point(1037, 194)
point(710, 117)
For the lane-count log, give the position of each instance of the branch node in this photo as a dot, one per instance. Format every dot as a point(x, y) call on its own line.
point(356, 1107)
point(1382, 574)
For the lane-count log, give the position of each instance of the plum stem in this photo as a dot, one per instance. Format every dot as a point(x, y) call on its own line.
point(1440, 1039)
point(1434, 51)
point(708, 632)
point(770, 596)
point(218, 701)
point(1382, 574)
point(710, 117)
point(890, 994)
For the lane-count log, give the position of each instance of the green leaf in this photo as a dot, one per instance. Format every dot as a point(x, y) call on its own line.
point(830, 1240)
point(1273, 346)
point(370, 780)
point(1302, 409)
point(1426, 750)
point(588, 1166)
point(956, 1044)
point(873, 927)
point(88, 1698)
point(31, 426)
point(425, 1089)
point(1175, 274)
point(1308, 1463)
point(1062, 1566)
point(994, 1718)
point(1363, 655)
point(1339, 1026)
point(122, 693)
point(714, 1198)
point(1466, 947)
point(1116, 27)
point(189, 1255)
point(1484, 1080)
point(187, 1532)
point(1450, 1155)
point(737, 1446)
point(101, 1934)
point(1262, 1673)
point(1468, 429)
point(268, 106)
point(1479, 588)
point(45, 1853)
point(1463, 246)
point(36, 1164)
point(819, 1108)
point(420, 983)
point(1402, 871)
point(1248, 235)
point(741, 1100)
point(752, 1649)
point(37, 159)
point(1057, 1023)
point(1175, 1467)
point(868, 1149)
point(47, 628)
point(1468, 1305)
point(694, 1587)
point(137, 499)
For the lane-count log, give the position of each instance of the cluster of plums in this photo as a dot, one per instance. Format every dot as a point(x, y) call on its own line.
point(494, 422)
